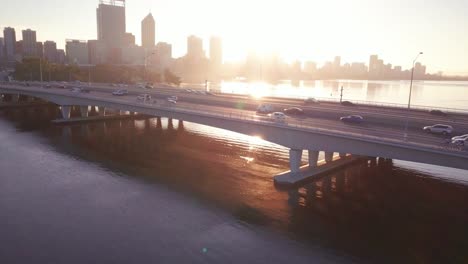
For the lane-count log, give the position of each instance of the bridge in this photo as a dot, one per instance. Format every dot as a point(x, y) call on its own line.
point(319, 130)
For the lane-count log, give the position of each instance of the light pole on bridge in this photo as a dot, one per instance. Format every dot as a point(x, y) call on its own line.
point(405, 135)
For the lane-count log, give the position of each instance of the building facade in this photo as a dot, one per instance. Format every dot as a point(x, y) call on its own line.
point(9, 38)
point(111, 22)
point(148, 32)
point(77, 51)
point(50, 51)
point(29, 43)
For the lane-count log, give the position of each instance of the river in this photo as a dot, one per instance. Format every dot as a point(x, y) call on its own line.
point(147, 191)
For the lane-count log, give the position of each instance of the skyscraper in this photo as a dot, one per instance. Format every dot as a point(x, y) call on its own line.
point(148, 32)
point(216, 51)
point(9, 37)
point(50, 51)
point(29, 43)
point(77, 51)
point(111, 22)
point(2, 49)
point(195, 48)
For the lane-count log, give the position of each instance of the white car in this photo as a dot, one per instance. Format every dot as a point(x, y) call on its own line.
point(278, 116)
point(462, 137)
point(171, 101)
point(439, 129)
point(174, 98)
point(460, 141)
point(144, 97)
point(120, 92)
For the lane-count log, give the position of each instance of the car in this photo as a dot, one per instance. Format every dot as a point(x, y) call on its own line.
point(171, 101)
point(144, 97)
point(460, 141)
point(462, 137)
point(265, 109)
point(47, 86)
point(347, 103)
point(80, 90)
point(439, 129)
point(352, 119)
point(293, 111)
point(84, 90)
point(120, 92)
point(278, 116)
point(173, 97)
point(311, 100)
point(437, 112)
point(149, 86)
point(141, 86)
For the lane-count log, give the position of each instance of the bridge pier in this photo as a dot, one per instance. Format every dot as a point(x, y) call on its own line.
point(170, 125)
point(295, 158)
point(101, 110)
point(158, 123)
point(180, 126)
point(66, 110)
point(15, 98)
point(328, 157)
point(84, 111)
point(313, 158)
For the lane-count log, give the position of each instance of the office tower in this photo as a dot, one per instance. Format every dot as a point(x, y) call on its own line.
point(29, 43)
point(195, 48)
point(111, 22)
point(96, 52)
point(128, 40)
point(39, 49)
point(9, 37)
point(50, 51)
point(164, 54)
point(2, 49)
point(148, 32)
point(61, 56)
point(77, 51)
point(216, 51)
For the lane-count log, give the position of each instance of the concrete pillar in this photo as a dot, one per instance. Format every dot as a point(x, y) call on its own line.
point(102, 110)
point(170, 124)
point(66, 110)
point(328, 157)
point(180, 126)
point(15, 98)
point(295, 158)
point(84, 111)
point(342, 155)
point(158, 123)
point(313, 158)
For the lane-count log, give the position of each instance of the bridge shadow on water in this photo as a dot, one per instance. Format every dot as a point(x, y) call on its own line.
point(375, 211)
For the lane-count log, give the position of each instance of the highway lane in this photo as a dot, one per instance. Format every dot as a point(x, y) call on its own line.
point(387, 131)
point(394, 133)
point(325, 109)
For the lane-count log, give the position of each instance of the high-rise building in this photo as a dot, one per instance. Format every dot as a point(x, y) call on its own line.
point(195, 48)
point(419, 71)
point(29, 43)
point(373, 64)
point(50, 51)
point(148, 32)
point(96, 52)
point(111, 22)
point(39, 49)
point(128, 40)
point(164, 54)
point(2, 49)
point(77, 51)
point(216, 51)
point(9, 37)
point(61, 58)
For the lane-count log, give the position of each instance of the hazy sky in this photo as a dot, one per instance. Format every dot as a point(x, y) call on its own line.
point(297, 29)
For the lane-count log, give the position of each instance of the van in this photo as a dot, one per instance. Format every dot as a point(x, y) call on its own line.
point(265, 109)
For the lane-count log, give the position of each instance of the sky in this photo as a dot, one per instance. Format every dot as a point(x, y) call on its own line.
point(295, 29)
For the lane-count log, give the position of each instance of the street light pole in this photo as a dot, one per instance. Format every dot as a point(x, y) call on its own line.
point(405, 135)
point(40, 68)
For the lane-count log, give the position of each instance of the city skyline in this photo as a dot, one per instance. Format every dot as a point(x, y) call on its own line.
point(302, 46)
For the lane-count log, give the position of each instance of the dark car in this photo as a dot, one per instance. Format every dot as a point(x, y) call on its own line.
point(347, 103)
point(437, 112)
point(352, 119)
point(293, 111)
